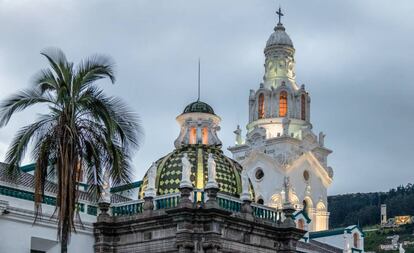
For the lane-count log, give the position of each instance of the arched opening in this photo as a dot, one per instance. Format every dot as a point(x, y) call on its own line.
point(205, 136)
point(261, 109)
point(283, 104)
point(321, 206)
point(356, 240)
point(303, 107)
point(276, 201)
point(301, 224)
point(193, 135)
point(307, 205)
point(260, 201)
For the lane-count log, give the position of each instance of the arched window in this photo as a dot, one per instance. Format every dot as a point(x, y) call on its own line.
point(356, 240)
point(260, 201)
point(301, 224)
point(283, 104)
point(205, 136)
point(307, 205)
point(261, 109)
point(303, 106)
point(193, 135)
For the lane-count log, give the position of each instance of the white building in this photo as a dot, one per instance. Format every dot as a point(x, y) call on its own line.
point(19, 233)
point(280, 141)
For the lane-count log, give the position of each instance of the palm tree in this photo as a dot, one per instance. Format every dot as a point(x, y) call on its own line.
point(83, 131)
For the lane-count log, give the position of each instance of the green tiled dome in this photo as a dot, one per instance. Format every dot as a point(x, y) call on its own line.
point(169, 171)
point(198, 106)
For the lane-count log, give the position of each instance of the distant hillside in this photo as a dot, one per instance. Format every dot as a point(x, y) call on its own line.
point(364, 208)
point(374, 238)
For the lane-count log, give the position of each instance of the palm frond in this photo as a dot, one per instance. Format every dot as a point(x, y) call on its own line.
point(91, 70)
point(19, 102)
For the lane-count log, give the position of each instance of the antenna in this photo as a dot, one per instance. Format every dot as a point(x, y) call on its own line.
point(198, 99)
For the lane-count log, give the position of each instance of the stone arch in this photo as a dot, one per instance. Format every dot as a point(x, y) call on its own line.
point(260, 199)
point(321, 206)
point(355, 237)
point(276, 201)
point(283, 103)
point(307, 204)
point(294, 200)
point(261, 106)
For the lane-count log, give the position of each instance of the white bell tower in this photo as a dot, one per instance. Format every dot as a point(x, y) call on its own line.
point(280, 142)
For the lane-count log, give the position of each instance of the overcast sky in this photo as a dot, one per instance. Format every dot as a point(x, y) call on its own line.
point(355, 57)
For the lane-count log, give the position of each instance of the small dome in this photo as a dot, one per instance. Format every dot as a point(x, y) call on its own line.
point(169, 170)
point(198, 106)
point(279, 37)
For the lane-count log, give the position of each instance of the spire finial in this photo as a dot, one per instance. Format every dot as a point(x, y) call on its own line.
point(198, 98)
point(280, 14)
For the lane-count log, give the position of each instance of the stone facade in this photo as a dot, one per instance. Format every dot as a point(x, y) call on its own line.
point(191, 228)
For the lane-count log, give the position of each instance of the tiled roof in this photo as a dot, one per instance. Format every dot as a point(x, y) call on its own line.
point(169, 170)
point(319, 247)
point(25, 180)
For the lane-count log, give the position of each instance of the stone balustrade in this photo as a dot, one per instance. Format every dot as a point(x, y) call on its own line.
point(199, 197)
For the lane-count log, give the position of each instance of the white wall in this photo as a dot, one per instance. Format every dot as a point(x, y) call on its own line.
point(16, 237)
point(18, 233)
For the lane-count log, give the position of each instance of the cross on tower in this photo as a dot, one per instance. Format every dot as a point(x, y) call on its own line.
point(280, 14)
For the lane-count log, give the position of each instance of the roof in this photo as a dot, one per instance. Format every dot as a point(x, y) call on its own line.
point(169, 170)
point(24, 180)
point(198, 106)
point(28, 167)
point(126, 187)
point(279, 37)
point(336, 231)
point(315, 246)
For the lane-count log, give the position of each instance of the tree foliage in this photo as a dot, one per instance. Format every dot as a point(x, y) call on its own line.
point(364, 208)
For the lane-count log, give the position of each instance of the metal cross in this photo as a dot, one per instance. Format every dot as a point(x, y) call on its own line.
point(280, 14)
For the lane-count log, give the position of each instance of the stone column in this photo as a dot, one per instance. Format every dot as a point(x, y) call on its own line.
point(104, 208)
point(288, 209)
point(148, 204)
point(212, 197)
point(185, 197)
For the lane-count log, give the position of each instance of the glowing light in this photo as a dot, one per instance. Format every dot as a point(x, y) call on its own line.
point(193, 135)
point(283, 104)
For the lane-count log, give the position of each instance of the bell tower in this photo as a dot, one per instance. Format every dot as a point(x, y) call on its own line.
point(280, 141)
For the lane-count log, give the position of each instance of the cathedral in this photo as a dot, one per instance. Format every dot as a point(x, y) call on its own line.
point(270, 196)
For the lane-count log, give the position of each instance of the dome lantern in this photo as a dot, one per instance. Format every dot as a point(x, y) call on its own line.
point(199, 125)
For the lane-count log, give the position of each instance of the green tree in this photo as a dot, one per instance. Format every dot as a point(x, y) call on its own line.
point(83, 131)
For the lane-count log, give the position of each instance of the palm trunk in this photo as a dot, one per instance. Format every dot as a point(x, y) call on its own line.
point(64, 246)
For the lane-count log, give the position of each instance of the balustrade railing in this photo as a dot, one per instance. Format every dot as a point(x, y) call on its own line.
point(128, 208)
point(226, 202)
point(167, 201)
point(229, 203)
point(88, 208)
point(266, 213)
